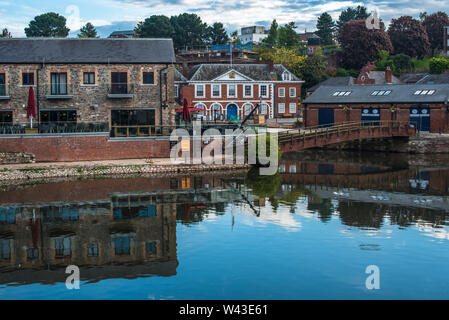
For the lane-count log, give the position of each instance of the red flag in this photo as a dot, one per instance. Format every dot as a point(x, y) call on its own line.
point(31, 109)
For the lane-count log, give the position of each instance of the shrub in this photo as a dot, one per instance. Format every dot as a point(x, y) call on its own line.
point(438, 65)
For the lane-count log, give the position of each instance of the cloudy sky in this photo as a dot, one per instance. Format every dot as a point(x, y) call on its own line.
point(109, 15)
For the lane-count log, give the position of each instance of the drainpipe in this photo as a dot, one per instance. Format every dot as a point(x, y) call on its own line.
point(160, 92)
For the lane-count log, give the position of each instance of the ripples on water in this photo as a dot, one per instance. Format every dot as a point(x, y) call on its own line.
point(308, 232)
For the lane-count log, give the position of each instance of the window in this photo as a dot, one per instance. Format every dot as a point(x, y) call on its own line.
point(292, 169)
point(122, 245)
point(248, 91)
point(32, 253)
point(341, 93)
point(148, 77)
point(247, 109)
point(292, 92)
point(132, 117)
point(281, 92)
point(28, 79)
point(216, 90)
point(5, 116)
point(232, 90)
point(424, 92)
point(151, 247)
point(89, 77)
point(263, 108)
point(92, 250)
point(281, 107)
point(2, 84)
point(263, 91)
point(63, 247)
point(381, 93)
point(286, 76)
point(48, 116)
point(58, 85)
point(5, 249)
point(119, 82)
point(199, 91)
point(292, 108)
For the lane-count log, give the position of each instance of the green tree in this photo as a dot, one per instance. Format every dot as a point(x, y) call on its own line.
point(271, 40)
point(47, 25)
point(325, 29)
point(434, 25)
point(88, 31)
point(216, 34)
point(5, 33)
point(358, 13)
point(287, 36)
point(189, 31)
point(313, 70)
point(156, 26)
point(438, 65)
point(408, 36)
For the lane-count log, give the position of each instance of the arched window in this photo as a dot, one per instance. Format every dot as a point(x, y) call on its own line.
point(215, 111)
point(264, 109)
point(247, 108)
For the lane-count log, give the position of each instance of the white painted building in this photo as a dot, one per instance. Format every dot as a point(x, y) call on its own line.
point(254, 34)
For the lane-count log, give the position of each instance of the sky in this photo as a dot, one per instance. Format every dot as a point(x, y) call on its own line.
point(110, 15)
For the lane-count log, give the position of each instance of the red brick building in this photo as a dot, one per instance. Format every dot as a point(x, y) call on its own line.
point(425, 106)
point(230, 92)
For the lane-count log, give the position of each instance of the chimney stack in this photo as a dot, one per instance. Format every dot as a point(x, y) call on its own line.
point(388, 75)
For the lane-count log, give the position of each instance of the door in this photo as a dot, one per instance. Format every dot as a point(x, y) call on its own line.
point(2, 84)
point(371, 116)
point(420, 118)
point(119, 82)
point(326, 117)
point(232, 113)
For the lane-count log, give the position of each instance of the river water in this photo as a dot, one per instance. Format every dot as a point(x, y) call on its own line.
point(309, 232)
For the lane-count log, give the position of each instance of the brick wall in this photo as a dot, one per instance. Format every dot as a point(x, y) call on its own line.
point(92, 147)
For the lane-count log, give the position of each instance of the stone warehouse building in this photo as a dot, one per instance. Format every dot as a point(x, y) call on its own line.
point(425, 106)
point(114, 82)
point(230, 92)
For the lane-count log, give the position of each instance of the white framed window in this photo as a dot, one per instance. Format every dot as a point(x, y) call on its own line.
point(247, 108)
point(248, 90)
point(292, 92)
point(292, 108)
point(263, 91)
point(215, 111)
point(199, 91)
point(216, 90)
point(232, 91)
point(292, 168)
point(263, 108)
point(281, 92)
point(286, 76)
point(176, 91)
point(281, 107)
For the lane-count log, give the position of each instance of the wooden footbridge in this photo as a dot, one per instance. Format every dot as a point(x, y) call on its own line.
point(314, 137)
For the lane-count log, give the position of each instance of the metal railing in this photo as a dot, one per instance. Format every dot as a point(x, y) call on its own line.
point(120, 88)
point(58, 89)
point(140, 130)
point(8, 128)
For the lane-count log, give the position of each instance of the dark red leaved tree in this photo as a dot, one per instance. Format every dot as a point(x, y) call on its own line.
point(408, 36)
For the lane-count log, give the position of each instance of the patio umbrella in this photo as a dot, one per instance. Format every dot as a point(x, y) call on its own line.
point(186, 113)
point(31, 109)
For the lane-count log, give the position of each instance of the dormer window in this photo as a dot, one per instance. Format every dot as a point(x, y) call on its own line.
point(286, 76)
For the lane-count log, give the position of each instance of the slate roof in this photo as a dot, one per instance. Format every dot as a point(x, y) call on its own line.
point(400, 93)
point(434, 79)
point(258, 72)
point(74, 50)
point(335, 81)
point(127, 33)
point(412, 77)
point(179, 77)
point(379, 77)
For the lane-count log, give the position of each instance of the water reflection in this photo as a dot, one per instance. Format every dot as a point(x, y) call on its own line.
point(126, 228)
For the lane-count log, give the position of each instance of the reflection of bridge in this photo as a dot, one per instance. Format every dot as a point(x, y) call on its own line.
point(313, 137)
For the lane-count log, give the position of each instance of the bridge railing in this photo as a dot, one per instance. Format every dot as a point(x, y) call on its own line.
point(318, 131)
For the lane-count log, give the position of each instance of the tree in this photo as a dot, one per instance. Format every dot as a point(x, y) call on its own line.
point(47, 25)
point(408, 36)
point(434, 25)
point(287, 36)
point(235, 38)
point(156, 26)
point(438, 65)
point(398, 63)
point(88, 31)
point(271, 40)
point(358, 13)
point(289, 58)
point(361, 45)
point(422, 16)
point(325, 29)
point(313, 70)
point(216, 34)
point(5, 33)
point(189, 30)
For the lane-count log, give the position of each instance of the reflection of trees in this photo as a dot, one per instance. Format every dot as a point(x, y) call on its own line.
point(361, 214)
point(323, 207)
point(192, 213)
point(406, 216)
point(263, 186)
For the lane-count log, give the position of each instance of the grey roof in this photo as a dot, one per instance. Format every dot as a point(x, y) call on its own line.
point(379, 77)
point(179, 77)
point(259, 72)
point(434, 79)
point(400, 93)
point(335, 81)
point(412, 77)
point(71, 50)
point(122, 33)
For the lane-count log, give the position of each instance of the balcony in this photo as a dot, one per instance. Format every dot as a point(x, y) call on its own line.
point(58, 91)
point(4, 92)
point(120, 91)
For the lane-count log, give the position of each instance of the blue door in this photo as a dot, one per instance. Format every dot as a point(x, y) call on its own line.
point(231, 112)
point(326, 117)
point(370, 116)
point(420, 118)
